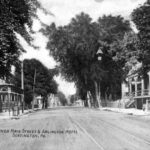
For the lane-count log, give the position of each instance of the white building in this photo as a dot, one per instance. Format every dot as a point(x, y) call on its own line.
point(137, 90)
point(38, 102)
point(79, 103)
point(11, 98)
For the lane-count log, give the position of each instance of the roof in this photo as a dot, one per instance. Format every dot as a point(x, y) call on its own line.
point(135, 70)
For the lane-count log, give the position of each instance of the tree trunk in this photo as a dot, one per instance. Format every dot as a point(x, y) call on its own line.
point(93, 98)
point(97, 93)
point(89, 99)
point(85, 103)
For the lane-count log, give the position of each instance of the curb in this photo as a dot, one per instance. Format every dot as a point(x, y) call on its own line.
point(127, 113)
point(17, 117)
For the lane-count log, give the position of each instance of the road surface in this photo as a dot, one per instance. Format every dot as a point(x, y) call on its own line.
point(75, 129)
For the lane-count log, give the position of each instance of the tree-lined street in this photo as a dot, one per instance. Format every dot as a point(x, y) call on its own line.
point(106, 57)
point(97, 55)
point(76, 129)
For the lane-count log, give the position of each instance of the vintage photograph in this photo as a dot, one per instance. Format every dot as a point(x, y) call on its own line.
point(74, 74)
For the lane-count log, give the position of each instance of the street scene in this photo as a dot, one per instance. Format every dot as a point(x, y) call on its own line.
point(75, 128)
point(74, 75)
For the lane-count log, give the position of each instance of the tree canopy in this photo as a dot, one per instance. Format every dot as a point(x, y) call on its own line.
point(16, 16)
point(75, 47)
point(44, 82)
point(141, 18)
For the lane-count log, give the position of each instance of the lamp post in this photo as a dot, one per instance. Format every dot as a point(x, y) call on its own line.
point(97, 84)
point(99, 54)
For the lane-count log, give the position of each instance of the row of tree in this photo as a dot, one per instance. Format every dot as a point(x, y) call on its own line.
point(38, 81)
point(75, 47)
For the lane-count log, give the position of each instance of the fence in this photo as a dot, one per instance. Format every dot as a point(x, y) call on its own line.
point(144, 92)
point(10, 102)
point(114, 104)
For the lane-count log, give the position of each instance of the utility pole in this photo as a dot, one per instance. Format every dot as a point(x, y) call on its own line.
point(34, 89)
point(22, 85)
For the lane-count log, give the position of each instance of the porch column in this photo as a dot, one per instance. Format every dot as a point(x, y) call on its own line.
point(130, 87)
point(149, 83)
point(135, 86)
point(142, 87)
point(0, 103)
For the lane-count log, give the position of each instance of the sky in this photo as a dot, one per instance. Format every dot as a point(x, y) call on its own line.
point(63, 11)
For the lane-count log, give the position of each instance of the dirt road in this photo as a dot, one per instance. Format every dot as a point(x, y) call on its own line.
point(75, 129)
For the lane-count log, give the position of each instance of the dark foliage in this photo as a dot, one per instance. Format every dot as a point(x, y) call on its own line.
point(15, 17)
point(44, 82)
point(141, 18)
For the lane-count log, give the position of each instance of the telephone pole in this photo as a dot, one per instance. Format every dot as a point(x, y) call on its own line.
point(34, 89)
point(22, 85)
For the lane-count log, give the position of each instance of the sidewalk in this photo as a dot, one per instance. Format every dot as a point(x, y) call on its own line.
point(130, 111)
point(6, 115)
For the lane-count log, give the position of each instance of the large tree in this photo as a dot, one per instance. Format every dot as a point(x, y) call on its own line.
point(36, 77)
point(112, 30)
point(16, 17)
point(75, 47)
point(141, 18)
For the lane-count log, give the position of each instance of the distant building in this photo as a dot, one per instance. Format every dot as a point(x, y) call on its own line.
point(38, 102)
point(79, 103)
point(53, 101)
